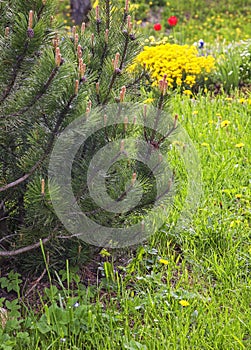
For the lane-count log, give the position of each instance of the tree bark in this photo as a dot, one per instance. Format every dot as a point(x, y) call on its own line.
point(79, 10)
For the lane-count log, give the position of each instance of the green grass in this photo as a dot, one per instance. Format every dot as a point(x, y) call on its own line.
point(222, 21)
point(139, 307)
point(208, 260)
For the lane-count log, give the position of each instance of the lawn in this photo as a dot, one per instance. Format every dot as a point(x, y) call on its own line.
point(188, 286)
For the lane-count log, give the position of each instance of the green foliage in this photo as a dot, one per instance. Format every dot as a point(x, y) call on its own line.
point(11, 283)
point(221, 21)
point(50, 80)
point(234, 66)
point(185, 289)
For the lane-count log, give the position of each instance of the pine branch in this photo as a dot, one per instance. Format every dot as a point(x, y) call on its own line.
point(38, 96)
point(124, 50)
point(27, 248)
point(15, 72)
point(47, 151)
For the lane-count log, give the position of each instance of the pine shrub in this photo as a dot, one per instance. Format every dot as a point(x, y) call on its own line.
point(48, 80)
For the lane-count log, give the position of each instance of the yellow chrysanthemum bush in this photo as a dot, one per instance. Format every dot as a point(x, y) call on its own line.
point(181, 64)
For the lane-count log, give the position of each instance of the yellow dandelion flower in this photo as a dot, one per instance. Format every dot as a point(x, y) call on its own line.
point(242, 100)
point(148, 100)
point(204, 144)
point(224, 123)
point(238, 195)
point(184, 303)
point(239, 145)
point(187, 92)
point(195, 112)
point(163, 261)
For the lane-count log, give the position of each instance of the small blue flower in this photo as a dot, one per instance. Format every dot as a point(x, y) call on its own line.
point(200, 44)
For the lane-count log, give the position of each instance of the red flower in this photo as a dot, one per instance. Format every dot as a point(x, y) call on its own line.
point(157, 26)
point(172, 21)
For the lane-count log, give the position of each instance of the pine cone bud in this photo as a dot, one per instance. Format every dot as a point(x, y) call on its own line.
point(30, 33)
point(132, 36)
point(118, 71)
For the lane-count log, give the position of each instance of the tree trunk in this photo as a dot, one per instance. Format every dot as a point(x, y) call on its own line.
point(79, 10)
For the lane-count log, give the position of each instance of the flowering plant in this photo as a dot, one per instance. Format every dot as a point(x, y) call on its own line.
point(180, 63)
point(172, 21)
point(157, 26)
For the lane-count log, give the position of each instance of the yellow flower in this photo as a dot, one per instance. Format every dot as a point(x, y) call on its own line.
point(163, 261)
point(134, 7)
point(95, 4)
point(239, 145)
point(148, 100)
point(181, 63)
point(204, 144)
point(184, 303)
point(242, 100)
point(224, 123)
point(104, 253)
point(238, 195)
point(187, 92)
point(234, 223)
point(195, 112)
